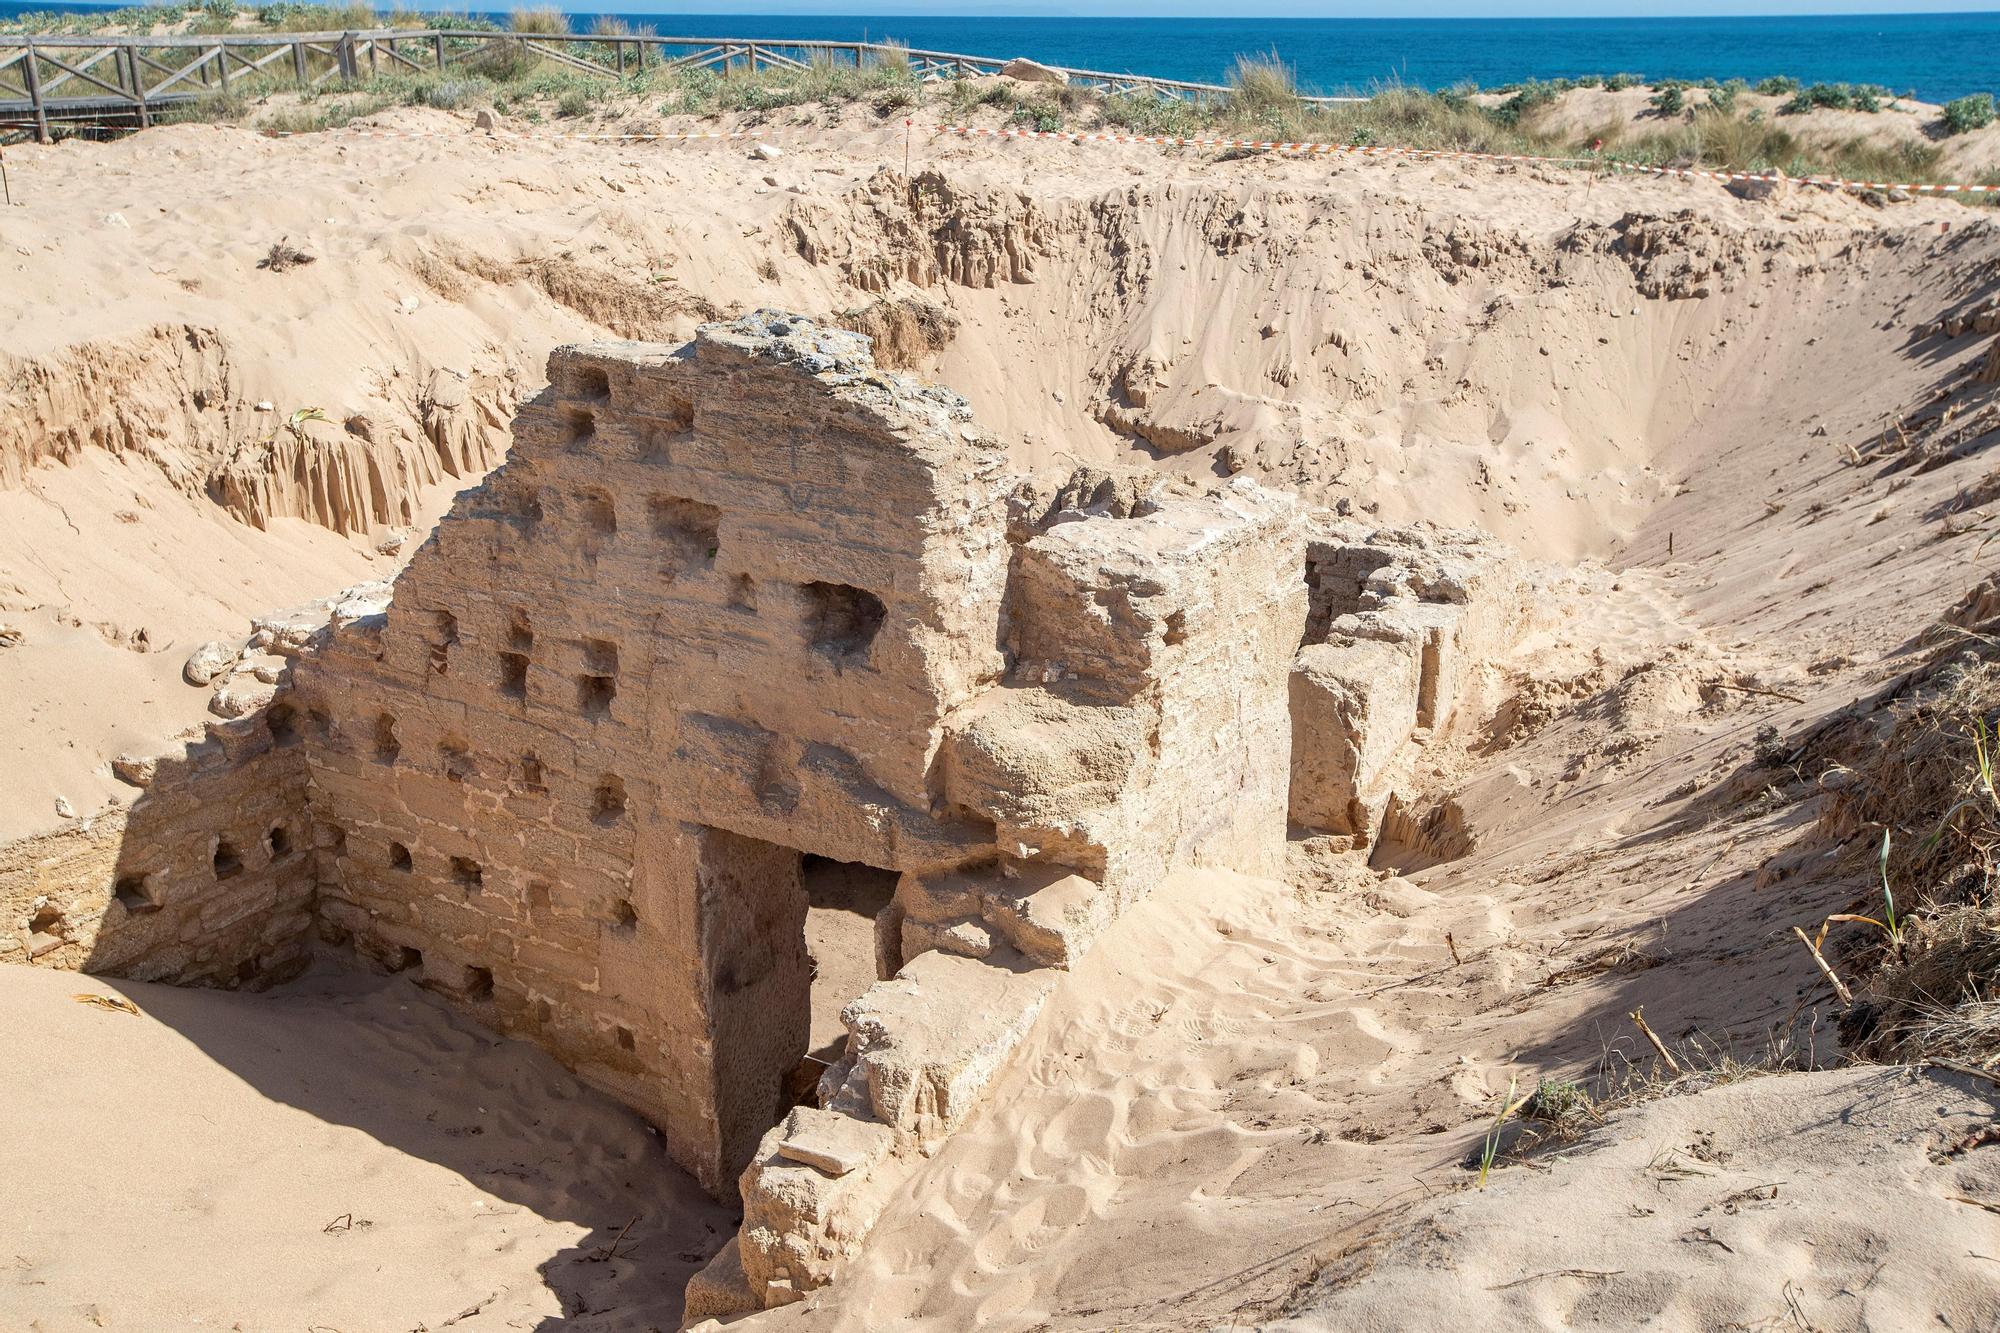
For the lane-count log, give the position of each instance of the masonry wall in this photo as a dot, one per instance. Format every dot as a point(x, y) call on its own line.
point(206, 878)
point(704, 620)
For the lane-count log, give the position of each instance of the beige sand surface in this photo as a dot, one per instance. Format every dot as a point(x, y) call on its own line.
point(341, 1154)
point(1246, 1079)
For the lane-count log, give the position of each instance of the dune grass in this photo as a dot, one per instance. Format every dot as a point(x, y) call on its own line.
point(1263, 100)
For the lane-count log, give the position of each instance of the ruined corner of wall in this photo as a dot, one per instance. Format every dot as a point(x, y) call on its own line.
point(1402, 621)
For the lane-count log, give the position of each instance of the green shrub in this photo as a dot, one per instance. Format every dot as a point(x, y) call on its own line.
point(1527, 98)
point(1778, 85)
point(1838, 96)
point(1971, 112)
point(575, 102)
point(1618, 83)
point(1723, 99)
point(1669, 101)
point(1043, 116)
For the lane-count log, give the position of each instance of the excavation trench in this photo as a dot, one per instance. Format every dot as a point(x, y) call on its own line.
point(768, 737)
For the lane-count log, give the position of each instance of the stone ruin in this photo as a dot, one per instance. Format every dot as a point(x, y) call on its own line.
point(761, 746)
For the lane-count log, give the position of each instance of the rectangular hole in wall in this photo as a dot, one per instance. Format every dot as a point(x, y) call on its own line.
point(789, 942)
point(842, 621)
point(595, 693)
point(514, 675)
point(136, 895)
point(843, 898)
point(687, 531)
point(465, 873)
point(478, 983)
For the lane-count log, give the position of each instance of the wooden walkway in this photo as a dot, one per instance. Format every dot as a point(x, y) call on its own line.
point(128, 80)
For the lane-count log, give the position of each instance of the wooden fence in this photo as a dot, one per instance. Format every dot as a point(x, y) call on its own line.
point(129, 79)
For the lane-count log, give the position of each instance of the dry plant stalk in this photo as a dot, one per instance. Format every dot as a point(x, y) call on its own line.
point(1638, 1017)
point(1826, 969)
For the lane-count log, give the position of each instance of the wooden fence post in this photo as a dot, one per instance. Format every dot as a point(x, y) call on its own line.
point(437, 49)
point(138, 86)
point(299, 62)
point(35, 98)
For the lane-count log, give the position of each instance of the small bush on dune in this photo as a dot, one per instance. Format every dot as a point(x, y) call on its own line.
point(1723, 98)
point(1778, 85)
point(1670, 101)
point(1618, 83)
point(1144, 113)
point(1043, 115)
point(1836, 96)
point(1965, 114)
point(1527, 98)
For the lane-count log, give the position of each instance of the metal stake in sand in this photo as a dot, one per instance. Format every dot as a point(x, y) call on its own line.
point(5, 188)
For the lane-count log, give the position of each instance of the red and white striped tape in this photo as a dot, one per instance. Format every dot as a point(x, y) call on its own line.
point(1179, 141)
point(1373, 150)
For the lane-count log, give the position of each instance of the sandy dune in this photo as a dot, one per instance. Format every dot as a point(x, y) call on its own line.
point(1248, 1083)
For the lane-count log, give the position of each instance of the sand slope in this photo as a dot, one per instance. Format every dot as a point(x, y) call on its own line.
point(1828, 1201)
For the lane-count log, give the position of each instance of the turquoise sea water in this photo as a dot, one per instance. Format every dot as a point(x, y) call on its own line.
point(1936, 56)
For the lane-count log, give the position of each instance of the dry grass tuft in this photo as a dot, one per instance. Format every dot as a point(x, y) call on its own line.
point(284, 256)
point(540, 22)
point(1921, 803)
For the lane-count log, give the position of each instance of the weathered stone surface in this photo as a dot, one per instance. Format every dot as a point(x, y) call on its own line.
point(719, 1290)
point(1354, 707)
point(207, 662)
point(1032, 71)
point(1401, 619)
point(836, 1144)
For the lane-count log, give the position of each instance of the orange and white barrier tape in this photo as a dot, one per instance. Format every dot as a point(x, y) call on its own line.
point(1455, 154)
point(1179, 141)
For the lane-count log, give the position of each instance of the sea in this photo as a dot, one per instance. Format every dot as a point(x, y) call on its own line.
point(1935, 57)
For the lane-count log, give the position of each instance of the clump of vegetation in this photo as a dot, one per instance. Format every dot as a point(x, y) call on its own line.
point(1778, 85)
point(540, 22)
point(1837, 96)
point(539, 78)
point(1526, 99)
point(1971, 112)
point(1924, 804)
point(1563, 1104)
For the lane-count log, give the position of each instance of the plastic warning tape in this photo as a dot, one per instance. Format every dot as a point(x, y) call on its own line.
point(1453, 154)
point(1181, 141)
point(351, 133)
